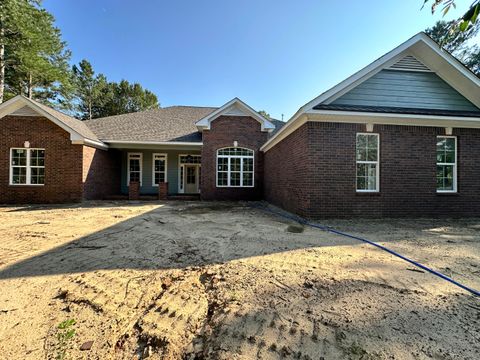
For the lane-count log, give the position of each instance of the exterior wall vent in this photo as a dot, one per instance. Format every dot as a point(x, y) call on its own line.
point(409, 63)
point(25, 111)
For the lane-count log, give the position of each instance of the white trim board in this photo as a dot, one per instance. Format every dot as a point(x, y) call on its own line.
point(140, 157)
point(375, 119)
point(234, 107)
point(165, 156)
point(423, 48)
point(121, 142)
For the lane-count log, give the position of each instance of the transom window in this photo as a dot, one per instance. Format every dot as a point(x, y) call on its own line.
point(27, 166)
point(190, 159)
point(134, 167)
point(446, 164)
point(235, 167)
point(159, 168)
point(367, 159)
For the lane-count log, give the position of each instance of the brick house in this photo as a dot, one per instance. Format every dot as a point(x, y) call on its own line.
point(398, 138)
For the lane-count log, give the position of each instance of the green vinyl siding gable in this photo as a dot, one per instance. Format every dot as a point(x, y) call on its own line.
point(406, 89)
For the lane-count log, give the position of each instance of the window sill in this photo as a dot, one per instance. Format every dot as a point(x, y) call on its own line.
point(446, 193)
point(26, 185)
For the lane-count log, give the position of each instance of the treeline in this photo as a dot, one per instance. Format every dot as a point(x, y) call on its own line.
point(34, 62)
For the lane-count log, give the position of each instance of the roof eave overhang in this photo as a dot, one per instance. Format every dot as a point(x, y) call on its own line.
point(374, 118)
point(91, 143)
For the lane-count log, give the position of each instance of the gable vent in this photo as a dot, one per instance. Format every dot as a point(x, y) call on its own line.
point(409, 62)
point(24, 111)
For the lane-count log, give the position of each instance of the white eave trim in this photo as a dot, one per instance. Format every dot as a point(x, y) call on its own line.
point(91, 143)
point(370, 118)
point(133, 142)
point(204, 123)
point(376, 115)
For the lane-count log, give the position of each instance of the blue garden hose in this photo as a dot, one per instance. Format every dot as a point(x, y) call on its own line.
point(329, 229)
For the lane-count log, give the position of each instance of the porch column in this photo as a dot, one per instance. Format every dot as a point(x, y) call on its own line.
point(163, 191)
point(134, 190)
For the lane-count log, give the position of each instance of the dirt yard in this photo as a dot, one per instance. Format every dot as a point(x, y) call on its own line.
point(226, 281)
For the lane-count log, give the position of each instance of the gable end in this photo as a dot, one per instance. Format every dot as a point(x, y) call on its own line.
point(406, 89)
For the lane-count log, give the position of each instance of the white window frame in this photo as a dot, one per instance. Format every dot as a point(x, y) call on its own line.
point(28, 167)
point(130, 154)
point(241, 157)
point(377, 163)
point(165, 156)
point(454, 190)
point(181, 168)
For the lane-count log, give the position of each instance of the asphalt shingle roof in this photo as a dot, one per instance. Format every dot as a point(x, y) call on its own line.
point(174, 123)
point(76, 125)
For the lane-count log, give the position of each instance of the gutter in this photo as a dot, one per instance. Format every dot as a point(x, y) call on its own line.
point(92, 143)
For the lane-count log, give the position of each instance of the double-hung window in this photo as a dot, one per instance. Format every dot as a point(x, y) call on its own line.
point(367, 162)
point(235, 167)
point(446, 164)
point(159, 168)
point(134, 167)
point(27, 166)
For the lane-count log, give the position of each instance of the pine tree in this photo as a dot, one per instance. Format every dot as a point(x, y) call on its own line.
point(124, 97)
point(89, 90)
point(458, 43)
point(35, 59)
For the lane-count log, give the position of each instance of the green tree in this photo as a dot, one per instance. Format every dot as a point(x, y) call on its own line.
point(454, 41)
point(88, 90)
point(458, 43)
point(469, 18)
point(265, 114)
point(33, 57)
point(124, 97)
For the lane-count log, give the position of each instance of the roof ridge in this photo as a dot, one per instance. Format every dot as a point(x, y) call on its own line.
point(191, 106)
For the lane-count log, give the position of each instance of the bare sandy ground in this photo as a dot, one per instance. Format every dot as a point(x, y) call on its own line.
point(200, 280)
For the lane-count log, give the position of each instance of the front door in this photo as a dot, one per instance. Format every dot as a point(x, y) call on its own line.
point(191, 179)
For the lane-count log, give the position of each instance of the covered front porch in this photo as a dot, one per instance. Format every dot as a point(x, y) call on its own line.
point(179, 166)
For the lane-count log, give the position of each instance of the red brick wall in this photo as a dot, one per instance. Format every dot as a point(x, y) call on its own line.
point(287, 179)
point(223, 132)
point(407, 173)
point(63, 161)
point(101, 173)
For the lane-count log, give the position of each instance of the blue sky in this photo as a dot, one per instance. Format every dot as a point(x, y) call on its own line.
point(274, 54)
